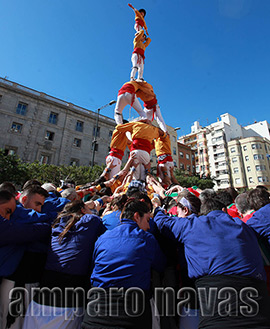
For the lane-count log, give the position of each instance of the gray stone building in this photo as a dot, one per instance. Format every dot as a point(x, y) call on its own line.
point(40, 127)
point(37, 126)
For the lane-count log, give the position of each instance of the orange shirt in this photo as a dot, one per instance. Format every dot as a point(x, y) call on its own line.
point(119, 140)
point(163, 146)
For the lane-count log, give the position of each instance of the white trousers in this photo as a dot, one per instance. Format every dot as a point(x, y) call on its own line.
point(137, 65)
point(124, 100)
point(141, 157)
point(49, 317)
point(115, 165)
point(156, 115)
point(167, 166)
point(5, 289)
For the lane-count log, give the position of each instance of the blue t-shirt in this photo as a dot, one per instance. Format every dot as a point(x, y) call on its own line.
point(73, 255)
point(124, 256)
point(214, 244)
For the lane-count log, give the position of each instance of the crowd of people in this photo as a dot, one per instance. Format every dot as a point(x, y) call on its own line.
point(131, 250)
point(145, 255)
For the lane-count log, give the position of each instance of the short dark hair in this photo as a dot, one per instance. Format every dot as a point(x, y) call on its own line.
point(242, 204)
point(232, 192)
point(35, 189)
point(225, 197)
point(8, 186)
point(258, 198)
point(5, 196)
point(211, 204)
point(31, 182)
point(142, 11)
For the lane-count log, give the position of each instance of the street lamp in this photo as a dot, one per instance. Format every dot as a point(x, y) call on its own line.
point(177, 128)
point(94, 142)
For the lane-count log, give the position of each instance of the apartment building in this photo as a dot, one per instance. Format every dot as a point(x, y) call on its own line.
point(186, 159)
point(220, 147)
point(197, 142)
point(250, 162)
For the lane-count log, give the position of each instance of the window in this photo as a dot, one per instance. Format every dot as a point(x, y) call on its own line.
point(237, 180)
point(74, 162)
point(263, 179)
point(235, 170)
point(187, 156)
point(21, 109)
point(260, 167)
point(232, 149)
point(110, 133)
point(182, 166)
point(248, 168)
point(77, 142)
point(188, 168)
point(79, 126)
point(49, 135)
point(234, 159)
point(98, 131)
point(0, 98)
point(181, 154)
point(44, 159)
point(53, 118)
point(258, 156)
point(10, 150)
point(256, 146)
point(174, 163)
point(16, 127)
point(250, 179)
point(174, 138)
point(174, 151)
point(246, 158)
point(244, 148)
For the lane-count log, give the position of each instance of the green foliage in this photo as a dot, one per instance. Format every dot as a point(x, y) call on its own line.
point(12, 169)
point(188, 181)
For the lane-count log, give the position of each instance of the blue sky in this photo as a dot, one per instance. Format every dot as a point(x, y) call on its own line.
point(206, 58)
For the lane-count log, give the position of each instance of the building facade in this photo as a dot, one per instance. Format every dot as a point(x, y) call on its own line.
point(40, 127)
point(220, 148)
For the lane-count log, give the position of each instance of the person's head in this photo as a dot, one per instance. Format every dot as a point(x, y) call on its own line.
point(225, 198)
point(138, 211)
point(187, 205)
point(31, 182)
point(258, 198)
point(242, 204)
point(7, 204)
point(118, 202)
point(72, 213)
point(141, 196)
point(142, 11)
point(232, 191)
point(206, 194)
point(211, 204)
point(33, 197)
point(70, 194)
point(8, 186)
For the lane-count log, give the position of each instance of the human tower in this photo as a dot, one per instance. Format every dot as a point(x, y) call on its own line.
point(143, 136)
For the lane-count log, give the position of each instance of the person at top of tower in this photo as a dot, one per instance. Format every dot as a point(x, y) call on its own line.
point(139, 19)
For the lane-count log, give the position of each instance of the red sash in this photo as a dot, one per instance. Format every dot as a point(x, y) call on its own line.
point(141, 144)
point(116, 153)
point(126, 88)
